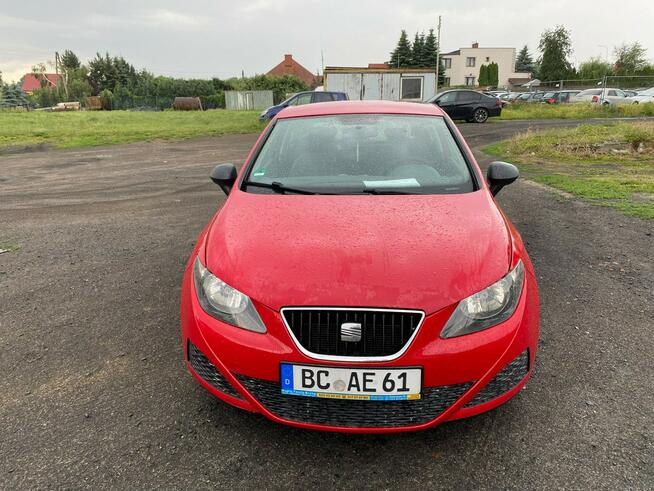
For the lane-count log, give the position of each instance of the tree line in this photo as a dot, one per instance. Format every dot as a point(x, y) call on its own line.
point(553, 62)
point(122, 86)
point(422, 53)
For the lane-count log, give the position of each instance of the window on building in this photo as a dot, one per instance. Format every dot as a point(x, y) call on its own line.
point(470, 81)
point(470, 61)
point(446, 81)
point(447, 62)
point(411, 88)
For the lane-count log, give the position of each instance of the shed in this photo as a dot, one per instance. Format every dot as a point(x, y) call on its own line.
point(377, 83)
point(248, 100)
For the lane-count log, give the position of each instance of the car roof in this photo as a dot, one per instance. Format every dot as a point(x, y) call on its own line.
point(459, 90)
point(360, 107)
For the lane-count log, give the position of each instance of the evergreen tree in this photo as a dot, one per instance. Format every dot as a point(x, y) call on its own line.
point(555, 47)
point(483, 76)
point(493, 75)
point(12, 96)
point(430, 49)
point(524, 62)
point(418, 58)
point(69, 61)
point(401, 55)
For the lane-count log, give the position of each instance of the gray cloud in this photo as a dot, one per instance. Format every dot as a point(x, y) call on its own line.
point(202, 38)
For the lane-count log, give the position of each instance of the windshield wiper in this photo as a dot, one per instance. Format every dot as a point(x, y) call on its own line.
point(385, 191)
point(278, 187)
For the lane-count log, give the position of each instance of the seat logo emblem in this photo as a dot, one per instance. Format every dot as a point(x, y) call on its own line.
point(351, 332)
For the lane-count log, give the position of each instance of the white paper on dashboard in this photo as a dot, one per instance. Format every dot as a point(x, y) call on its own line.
point(393, 183)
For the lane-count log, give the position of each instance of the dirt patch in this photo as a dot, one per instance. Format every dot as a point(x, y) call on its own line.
point(642, 197)
point(18, 149)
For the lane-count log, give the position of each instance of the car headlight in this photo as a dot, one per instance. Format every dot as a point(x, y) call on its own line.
point(488, 307)
point(223, 302)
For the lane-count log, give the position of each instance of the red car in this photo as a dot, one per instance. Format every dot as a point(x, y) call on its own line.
point(360, 276)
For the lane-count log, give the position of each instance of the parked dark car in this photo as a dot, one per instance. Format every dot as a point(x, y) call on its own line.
point(526, 97)
point(468, 104)
point(537, 97)
point(302, 98)
point(497, 95)
point(529, 97)
point(559, 97)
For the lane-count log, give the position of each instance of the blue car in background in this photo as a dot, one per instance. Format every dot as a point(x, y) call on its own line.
point(302, 98)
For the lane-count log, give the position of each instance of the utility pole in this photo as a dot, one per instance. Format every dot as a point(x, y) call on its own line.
point(438, 53)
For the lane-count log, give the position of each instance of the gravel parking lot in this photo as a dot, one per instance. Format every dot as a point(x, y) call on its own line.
point(94, 392)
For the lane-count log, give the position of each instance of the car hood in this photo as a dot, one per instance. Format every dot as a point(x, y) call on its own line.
point(394, 251)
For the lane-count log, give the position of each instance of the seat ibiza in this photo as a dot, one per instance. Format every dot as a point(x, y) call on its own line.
point(360, 275)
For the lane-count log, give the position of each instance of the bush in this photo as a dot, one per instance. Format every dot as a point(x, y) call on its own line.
point(214, 101)
point(107, 99)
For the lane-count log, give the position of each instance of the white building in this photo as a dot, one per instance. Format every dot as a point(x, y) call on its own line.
point(380, 82)
point(462, 66)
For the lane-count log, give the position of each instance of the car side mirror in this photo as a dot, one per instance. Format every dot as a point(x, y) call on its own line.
point(437, 102)
point(225, 176)
point(501, 174)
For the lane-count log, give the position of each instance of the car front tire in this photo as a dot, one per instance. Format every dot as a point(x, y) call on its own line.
point(480, 115)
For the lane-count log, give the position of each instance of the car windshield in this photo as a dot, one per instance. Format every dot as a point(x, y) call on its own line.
point(361, 153)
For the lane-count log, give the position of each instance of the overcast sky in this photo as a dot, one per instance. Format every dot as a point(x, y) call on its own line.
point(204, 38)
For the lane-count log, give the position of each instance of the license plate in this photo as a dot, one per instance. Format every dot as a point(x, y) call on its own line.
point(365, 384)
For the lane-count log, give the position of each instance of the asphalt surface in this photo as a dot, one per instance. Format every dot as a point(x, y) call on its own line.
point(94, 393)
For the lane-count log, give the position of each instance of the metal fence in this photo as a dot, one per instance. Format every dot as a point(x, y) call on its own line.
point(248, 100)
point(630, 82)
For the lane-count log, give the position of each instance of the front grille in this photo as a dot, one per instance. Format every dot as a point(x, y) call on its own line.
point(208, 372)
point(384, 333)
point(507, 379)
point(354, 414)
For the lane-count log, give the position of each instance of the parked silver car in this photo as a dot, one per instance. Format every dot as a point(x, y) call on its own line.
point(644, 96)
point(605, 96)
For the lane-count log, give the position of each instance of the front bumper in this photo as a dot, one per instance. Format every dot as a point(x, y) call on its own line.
point(461, 376)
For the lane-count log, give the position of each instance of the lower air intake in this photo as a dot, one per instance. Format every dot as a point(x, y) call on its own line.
point(208, 372)
point(354, 414)
point(507, 379)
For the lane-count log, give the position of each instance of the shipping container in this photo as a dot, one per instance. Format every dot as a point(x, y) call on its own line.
point(390, 84)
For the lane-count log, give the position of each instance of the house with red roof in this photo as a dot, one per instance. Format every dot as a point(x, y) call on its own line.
point(31, 82)
point(291, 67)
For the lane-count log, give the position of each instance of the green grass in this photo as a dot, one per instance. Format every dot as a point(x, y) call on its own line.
point(5, 247)
point(86, 128)
point(610, 165)
point(576, 111)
